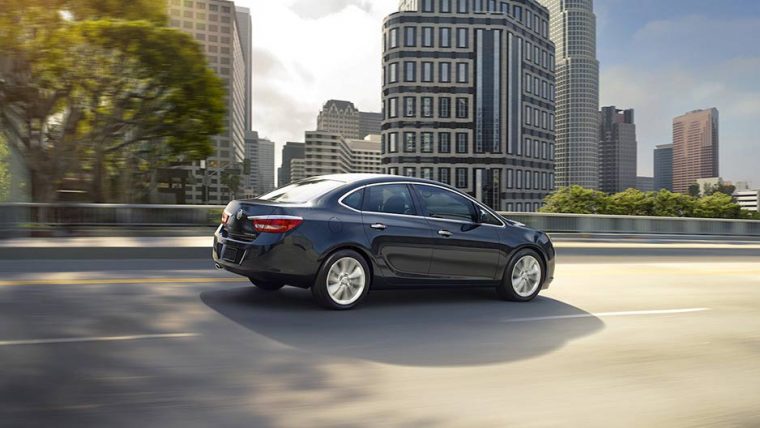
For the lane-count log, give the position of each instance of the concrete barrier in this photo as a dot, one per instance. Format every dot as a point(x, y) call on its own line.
point(27, 219)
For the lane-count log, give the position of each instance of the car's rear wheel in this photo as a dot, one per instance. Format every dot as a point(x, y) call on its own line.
point(266, 286)
point(523, 277)
point(343, 281)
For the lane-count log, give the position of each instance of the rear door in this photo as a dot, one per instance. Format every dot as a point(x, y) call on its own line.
point(401, 240)
point(464, 248)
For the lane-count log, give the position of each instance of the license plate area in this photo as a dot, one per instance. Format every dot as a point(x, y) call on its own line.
point(231, 254)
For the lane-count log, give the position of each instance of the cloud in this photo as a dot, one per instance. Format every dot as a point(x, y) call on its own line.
point(315, 9)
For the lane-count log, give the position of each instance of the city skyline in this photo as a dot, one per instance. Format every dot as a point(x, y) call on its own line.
point(293, 76)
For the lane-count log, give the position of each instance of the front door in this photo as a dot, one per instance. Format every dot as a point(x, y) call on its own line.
point(465, 248)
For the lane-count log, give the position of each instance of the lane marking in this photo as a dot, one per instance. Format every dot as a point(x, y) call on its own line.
point(610, 314)
point(96, 339)
point(113, 281)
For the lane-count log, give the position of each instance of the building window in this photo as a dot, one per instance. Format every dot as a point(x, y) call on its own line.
point(410, 107)
point(445, 37)
point(462, 6)
point(393, 142)
point(504, 8)
point(492, 5)
point(393, 108)
point(461, 142)
point(544, 150)
point(544, 120)
point(528, 144)
point(444, 175)
point(393, 72)
point(427, 5)
point(528, 115)
point(519, 179)
point(426, 173)
point(528, 50)
point(410, 36)
point(543, 181)
point(462, 178)
point(426, 142)
point(445, 6)
point(393, 170)
point(444, 74)
point(462, 108)
point(444, 107)
point(528, 182)
point(461, 72)
point(410, 171)
point(427, 71)
point(478, 6)
point(410, 142)
point(444, 142)
point(461, 37)
point(528, 83)
point(394, 38)
point(427, 37)
point(410, 71)
point(510, 178)
point(427, 106)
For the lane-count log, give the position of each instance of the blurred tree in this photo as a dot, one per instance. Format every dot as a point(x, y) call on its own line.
point(5, 173)
point(86, 87)
point(576, 200)
point(694, 190)
point(231, 179)
point(717, 205)
point(631, 202)
point(669, 204)
point(726, 189)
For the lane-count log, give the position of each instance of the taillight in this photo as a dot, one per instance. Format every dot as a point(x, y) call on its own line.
point(276, 224)
point(225, 217)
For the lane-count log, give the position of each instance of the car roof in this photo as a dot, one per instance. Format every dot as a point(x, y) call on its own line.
point(363, 179)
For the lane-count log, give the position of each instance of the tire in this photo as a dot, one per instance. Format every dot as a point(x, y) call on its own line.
point(523, 278)
point(343, 281)
point(266, 286)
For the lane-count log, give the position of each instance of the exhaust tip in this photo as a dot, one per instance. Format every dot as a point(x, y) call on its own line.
point(218, 266)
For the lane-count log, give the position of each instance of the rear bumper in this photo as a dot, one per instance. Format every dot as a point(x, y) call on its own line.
point(272, 259)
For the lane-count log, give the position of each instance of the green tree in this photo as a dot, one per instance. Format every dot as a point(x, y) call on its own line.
point(717, 205)
point(669, 204)
point(576, 200)
point(694, 190)
point(93, 87)
point(726, 189)
point(631, 202)
point(5, 174)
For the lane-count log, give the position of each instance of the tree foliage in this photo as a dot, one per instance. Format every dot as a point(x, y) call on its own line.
point(578, 200)
point(5, 174)
point(101, 90)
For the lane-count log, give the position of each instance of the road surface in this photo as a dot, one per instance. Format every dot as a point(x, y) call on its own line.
point(666, 336)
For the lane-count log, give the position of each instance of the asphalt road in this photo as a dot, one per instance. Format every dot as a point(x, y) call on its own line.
point(625, 337)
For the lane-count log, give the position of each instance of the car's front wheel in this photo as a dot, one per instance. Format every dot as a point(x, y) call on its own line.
point(523, 277)
point(343, 281)
point(266, 286)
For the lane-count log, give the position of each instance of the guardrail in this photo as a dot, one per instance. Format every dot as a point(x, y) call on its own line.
point(26, 219)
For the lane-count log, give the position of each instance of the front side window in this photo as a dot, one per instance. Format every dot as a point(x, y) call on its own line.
point(445, 204)
point(389, 199)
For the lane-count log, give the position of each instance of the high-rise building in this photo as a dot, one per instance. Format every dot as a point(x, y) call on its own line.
point(645, 184)
point(245, 30)
point(369, 124)
point(617, 150)
point(260, 155)
point(342, 117)
point(748, 199)
point(330, 153)
point(468, 95)
point(663, 167)
point(297, 169)
point(290, 151)
point(573, 31)
point(213, 24)
point(695, 148)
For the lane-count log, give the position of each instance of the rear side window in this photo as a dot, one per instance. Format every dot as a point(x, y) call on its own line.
point(354, 200)
point(389, 199)
point(303, 191)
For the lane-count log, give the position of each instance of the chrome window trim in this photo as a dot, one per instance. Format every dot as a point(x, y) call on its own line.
point(473, 200)
point(274, 217)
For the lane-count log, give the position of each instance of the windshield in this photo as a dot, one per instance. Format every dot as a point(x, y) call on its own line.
point(302, 192)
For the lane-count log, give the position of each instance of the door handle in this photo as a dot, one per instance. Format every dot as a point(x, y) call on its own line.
point(379, 226)
point(445, 233)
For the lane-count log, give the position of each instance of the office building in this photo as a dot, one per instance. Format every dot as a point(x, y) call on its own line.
point(748, 199)
point(260, 155)
point(342, 117)
point(617, 150)
point(290, 151)
point(645, 184)
point(297, 169)
point(573, 31)
point(245, 30)
point(695, 148)
point(214, 25)
point(330, 153)
point(663, 167)
point(468, 95)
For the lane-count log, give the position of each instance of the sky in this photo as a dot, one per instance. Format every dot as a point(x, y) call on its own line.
point(662, 58)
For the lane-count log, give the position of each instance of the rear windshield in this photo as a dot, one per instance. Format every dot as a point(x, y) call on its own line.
point(304, 191)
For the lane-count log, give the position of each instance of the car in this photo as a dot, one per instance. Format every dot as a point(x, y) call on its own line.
point(342, 235)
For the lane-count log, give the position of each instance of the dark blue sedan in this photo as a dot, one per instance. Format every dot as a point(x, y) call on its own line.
point(341, 235)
